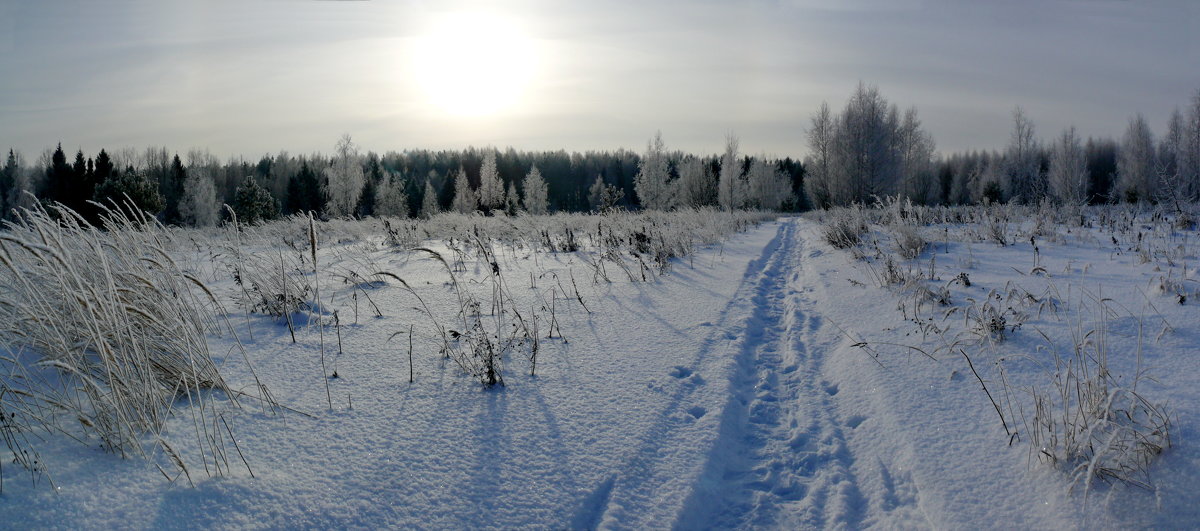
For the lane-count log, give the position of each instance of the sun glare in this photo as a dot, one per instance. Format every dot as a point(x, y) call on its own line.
point(474, 64)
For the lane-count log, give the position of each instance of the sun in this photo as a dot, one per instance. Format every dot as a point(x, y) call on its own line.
point(474, 64)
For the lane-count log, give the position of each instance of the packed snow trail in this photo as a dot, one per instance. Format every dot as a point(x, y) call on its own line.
point(778, 457)
point(818, 433)
point(782, 459)
point(664, 459)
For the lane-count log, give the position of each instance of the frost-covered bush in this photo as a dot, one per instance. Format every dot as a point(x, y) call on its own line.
point(844, 228)
point(909, 243)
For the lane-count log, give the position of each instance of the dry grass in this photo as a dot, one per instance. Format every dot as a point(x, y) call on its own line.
point(106, 339)
point(1091, 422)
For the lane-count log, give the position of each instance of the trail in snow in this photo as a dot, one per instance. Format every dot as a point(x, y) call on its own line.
point(778, 455)
point(664, 459)
point(781, 459)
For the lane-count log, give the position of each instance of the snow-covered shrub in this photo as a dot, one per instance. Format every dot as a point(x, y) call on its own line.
point(845, 227)
point(909, 242)
point(996, 225)
point(402, 233)
point(989, 322)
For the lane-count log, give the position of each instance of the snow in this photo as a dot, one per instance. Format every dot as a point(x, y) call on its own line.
point(765, 382)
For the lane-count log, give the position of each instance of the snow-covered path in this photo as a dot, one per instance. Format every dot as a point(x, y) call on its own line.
point(782, 459)
point(634, 497)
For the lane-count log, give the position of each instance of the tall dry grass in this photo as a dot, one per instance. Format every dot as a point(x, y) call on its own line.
point(104, 338)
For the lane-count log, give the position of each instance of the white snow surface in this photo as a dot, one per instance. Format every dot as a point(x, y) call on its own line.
point(733, 391)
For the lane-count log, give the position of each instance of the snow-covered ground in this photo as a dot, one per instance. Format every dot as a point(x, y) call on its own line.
point(765, 382)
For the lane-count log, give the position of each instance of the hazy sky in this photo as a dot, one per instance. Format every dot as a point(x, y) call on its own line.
point(256, 77)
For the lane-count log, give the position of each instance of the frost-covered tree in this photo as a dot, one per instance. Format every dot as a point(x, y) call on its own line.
point(198, 207)
point(768, 187)
point(596, 194)
point(1025, 182)
point(697, 187)
point(536, 192)
point(19, 192)
point(429, 203)
point(651, 184)
point(1189, 154)
point(1137, 176)
point(865, 152)
point(390, 199)
point(915, 146)
point(512, 200)
point(465, 201)
point(344, 180)
point(820, 146)
point(1068, 174)
point(1172, 186)
point(602, 196)
point(729, 181)
point(491, 188)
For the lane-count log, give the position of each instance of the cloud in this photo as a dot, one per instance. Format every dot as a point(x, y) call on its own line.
point(254, 77)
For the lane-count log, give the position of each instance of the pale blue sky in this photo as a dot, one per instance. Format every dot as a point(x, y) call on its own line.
point(260, 76)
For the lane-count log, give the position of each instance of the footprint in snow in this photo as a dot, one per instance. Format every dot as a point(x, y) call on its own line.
point(855, 421)
point(697, 411)
point(681, 372)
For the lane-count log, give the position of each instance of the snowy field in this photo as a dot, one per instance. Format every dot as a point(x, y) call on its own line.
point(973, 368)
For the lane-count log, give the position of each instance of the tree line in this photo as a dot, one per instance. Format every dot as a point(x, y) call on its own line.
point(191, 188)
point(867, 150)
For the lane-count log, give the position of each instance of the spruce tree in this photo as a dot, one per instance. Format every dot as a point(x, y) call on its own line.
point(172, 192)
point(536, 192)
point(465, 200)
point(304, 191)
point(429, 202)
point(131, 192)
point(8, 181)
point(58, 178)
point(491, 188)
point(253, 203)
